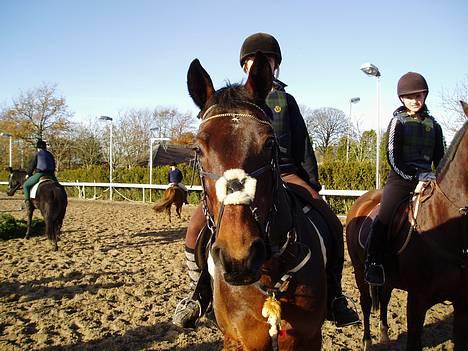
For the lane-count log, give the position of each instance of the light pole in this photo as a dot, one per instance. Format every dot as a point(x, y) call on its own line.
point(8, 135)
point(152, 140)
point(109, 119)
point(352, 101)
point(373, 71)
point(151, 158)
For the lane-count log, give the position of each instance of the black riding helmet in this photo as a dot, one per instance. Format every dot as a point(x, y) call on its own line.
point(41, 144)
point(262, 42)
point(411, 83)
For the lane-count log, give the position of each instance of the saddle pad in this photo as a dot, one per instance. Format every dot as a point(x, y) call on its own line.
point(36, 186)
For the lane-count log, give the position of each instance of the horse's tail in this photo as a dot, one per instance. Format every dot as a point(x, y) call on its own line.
point(167, 201)
point(375, 293)
point(56, 212)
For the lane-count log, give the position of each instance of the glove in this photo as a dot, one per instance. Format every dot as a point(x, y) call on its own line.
point(426, 176)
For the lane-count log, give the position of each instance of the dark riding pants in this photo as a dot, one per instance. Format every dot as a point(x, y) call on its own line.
point(32, 180)
point(396, 191)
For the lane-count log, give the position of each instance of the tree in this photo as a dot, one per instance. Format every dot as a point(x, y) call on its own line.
point(38, 113)
point(451, 105)
point(326, 125)
point(171, 123)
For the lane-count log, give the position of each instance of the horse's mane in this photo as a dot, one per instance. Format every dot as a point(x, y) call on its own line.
point(450, 153)
point(234, 95)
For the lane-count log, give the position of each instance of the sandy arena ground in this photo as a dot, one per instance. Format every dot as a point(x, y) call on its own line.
point(116, 280)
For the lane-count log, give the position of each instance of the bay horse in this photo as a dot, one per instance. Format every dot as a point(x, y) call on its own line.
point(427, 251)
point(268, 279)
point(51, 199)
point(172, 195)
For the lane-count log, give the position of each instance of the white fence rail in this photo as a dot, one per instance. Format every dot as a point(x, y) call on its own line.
point(81, 187)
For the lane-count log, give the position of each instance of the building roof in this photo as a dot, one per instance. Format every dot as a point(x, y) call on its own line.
point(166, 154)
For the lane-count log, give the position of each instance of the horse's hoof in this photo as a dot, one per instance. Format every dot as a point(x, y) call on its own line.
point(27, 237)
point(366, 345)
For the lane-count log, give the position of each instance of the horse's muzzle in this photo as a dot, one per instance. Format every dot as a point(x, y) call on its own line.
point(244, 271)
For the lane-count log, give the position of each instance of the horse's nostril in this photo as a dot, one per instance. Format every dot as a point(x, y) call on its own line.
point(234, 185)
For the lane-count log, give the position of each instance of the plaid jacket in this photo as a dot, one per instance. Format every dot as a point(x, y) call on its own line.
point(414, 144)
point(296, 152)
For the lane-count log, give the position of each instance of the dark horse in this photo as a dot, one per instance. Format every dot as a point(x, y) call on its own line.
point(269, 285)
point(172, 195)
point(430, 261)
point(51, 200)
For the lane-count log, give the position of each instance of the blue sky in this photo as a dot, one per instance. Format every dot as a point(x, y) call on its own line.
point(110, 56)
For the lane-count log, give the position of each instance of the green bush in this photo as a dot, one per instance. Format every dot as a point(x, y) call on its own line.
point(11, 228)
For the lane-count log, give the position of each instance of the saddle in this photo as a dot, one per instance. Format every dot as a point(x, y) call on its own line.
point(404, 219)
point(35, 188)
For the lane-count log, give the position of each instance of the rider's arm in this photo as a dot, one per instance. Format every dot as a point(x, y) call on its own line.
point(32, 165)
point(395, 151)
point(302, 150)
point(439, 149)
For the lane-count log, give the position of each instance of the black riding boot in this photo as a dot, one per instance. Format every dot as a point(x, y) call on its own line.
point(191, 308)
point(339, 310)
point(374, 270)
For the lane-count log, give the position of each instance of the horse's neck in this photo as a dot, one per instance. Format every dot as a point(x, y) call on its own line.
point(453, 182)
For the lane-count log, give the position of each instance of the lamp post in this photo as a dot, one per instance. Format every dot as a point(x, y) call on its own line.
point(352, 101)
point(373, 71)
point(151, 160)
point(109, 119)
point(8, 135)
point(152, 140)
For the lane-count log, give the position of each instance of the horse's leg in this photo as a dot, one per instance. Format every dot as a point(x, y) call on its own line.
point(30, 214)
point(168, 210)
point(366, 305)
point(178, 211)
point(415, 315)
point(460, 324)
point(385, 294)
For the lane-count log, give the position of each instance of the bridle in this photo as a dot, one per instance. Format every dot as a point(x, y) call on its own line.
point(264, 226)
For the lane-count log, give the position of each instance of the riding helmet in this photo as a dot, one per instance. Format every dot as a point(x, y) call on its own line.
point(262, 42)
point(411, 83)
point(41, 144)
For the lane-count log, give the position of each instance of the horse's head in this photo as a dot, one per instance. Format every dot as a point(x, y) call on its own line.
point(237, 150)
point(15, 180)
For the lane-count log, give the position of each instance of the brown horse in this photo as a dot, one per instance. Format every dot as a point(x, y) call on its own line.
point(172, 195)
point(51, 200)
point(269, 285)
point(430, 261)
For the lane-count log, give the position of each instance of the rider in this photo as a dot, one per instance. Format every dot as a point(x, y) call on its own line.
point(298, 168)
point(41, 165)
point(174, 177)
point(415, 145)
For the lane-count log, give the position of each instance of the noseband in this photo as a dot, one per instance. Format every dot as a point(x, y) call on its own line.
point(238, 184)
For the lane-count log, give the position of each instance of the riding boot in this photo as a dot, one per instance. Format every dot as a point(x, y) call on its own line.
point(339, 310)
point(189, 310)
point(374, 270)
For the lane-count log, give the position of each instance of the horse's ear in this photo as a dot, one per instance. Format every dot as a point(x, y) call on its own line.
point(260, 78)
point(9, 169)
point(199, 84)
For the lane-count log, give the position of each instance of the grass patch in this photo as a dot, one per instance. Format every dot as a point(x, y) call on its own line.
point(11, 228)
